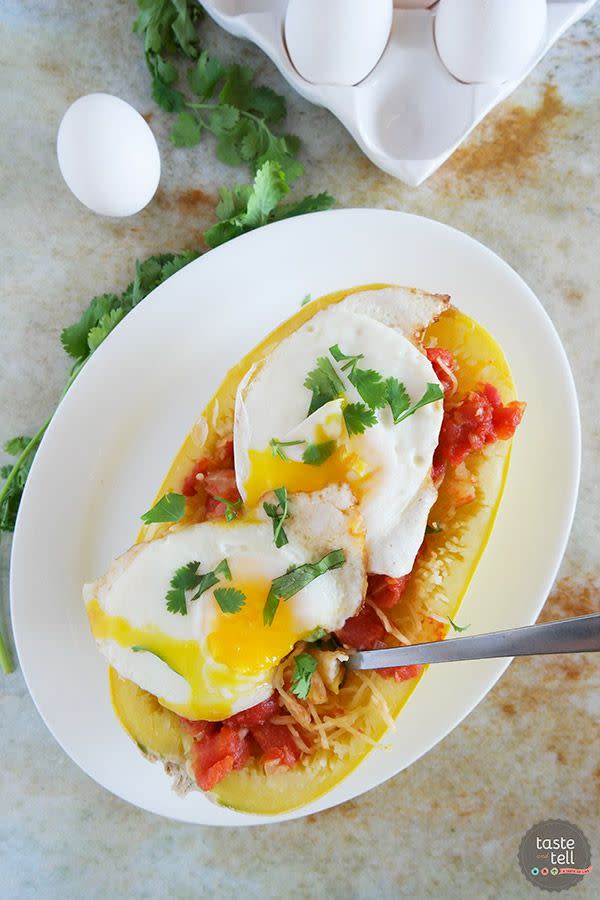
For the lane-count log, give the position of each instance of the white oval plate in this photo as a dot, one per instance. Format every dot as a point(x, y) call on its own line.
point(117, 430)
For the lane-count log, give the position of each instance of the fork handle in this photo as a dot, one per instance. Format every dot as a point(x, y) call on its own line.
point(581, 634)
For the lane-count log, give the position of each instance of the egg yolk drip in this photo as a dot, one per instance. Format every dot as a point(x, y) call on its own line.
point(243, 642)
point(212, 679)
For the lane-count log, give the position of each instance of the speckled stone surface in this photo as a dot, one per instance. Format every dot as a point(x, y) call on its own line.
point(527, 185)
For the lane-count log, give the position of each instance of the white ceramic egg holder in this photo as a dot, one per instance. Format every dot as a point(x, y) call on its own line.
point(409, 114)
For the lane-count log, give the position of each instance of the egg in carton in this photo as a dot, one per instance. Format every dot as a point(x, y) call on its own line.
point(409, 79)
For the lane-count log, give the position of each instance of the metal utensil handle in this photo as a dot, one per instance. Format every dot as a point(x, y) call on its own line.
point(568, 636)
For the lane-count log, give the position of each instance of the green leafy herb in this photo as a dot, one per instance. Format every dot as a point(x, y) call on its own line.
point(232, 508)
point(306, 299)
point(316, 635)
point(170, 508)
point(369, 383)
point(397, 398)
point(229, 599)
point(305, 666)
point(245, 207)
point(433, 528)
point(185, 579)
point(16, 445)
point(432, 393)
point(137, 648)
point(456, 627)
point(277, 447)
point(325, 384)
point(296, 579)
point(211, 578)
point(278, 512)
point(316, 454)
point(358, 418)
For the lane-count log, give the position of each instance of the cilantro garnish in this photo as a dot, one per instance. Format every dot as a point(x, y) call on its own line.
point(369, 383)
point(170, 508)
point(401, 406)
point(316, 454)
point(187, 578)
point(456, 627)
point(297, 578)
point(305, 666)
point(278, 512)
point(232, 508)
point(277, 447)
point(229, 599)
point(315, 635)
point(325, 384)
point(137, 648)
point(397, 398)
point(306, 299)
point(358, 417)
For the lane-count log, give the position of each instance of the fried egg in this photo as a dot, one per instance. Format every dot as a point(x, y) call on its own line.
point(388, 466)
point(207, 663)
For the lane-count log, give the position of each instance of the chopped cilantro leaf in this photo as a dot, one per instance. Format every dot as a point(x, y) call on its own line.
point(170, 508)
point(358, 418)
point(185, 578)
point(316, 454)
point(432, 393)
point(277, 447)
point(456, 627)
point(305, 666)
point(315, 635)
point(229, 599)
point(278, 512)
point(137, 648)
point(325, 384)
point(397, 398)
point(296, 579)
point(211, 578)
point(232, 508)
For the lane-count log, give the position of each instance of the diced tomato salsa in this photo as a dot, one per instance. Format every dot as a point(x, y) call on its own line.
point(218, 754)
point(218, 481)
point(401, 673)
point(276, 743)
point(444, 365)
point(479, 419)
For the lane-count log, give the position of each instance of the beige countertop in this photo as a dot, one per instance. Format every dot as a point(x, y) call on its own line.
point(526, 184)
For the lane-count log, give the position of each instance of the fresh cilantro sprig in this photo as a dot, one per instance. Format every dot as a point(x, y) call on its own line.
point(170, 508)
point(229, 599)
point(278, 512)
point(278, 448)
point(297, 578)
point(246, 207)
point(232, 508)
point(325, 384)
point(187, 578)
point(317, 454)
point(369, 383)
point(401, 406)
point(456, 627)
point(305, 666)
point(138, 648)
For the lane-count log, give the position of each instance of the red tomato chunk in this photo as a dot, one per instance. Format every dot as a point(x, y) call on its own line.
point(257, 715)
point(363, 631)
point(216, 755)
point(276, 743)
point(400, 673)
point(386, 591)
point(443, 365)
point(479, 419)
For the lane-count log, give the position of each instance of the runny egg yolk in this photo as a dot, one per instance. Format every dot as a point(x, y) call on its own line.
point(243, 642)
point(268, 471)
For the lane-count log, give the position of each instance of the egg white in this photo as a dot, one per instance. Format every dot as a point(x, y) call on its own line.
point(127, 607)
point(272, 402)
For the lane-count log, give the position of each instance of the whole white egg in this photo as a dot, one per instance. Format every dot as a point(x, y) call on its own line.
point(108, 155)
point(338, 41)
point(489, 40)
